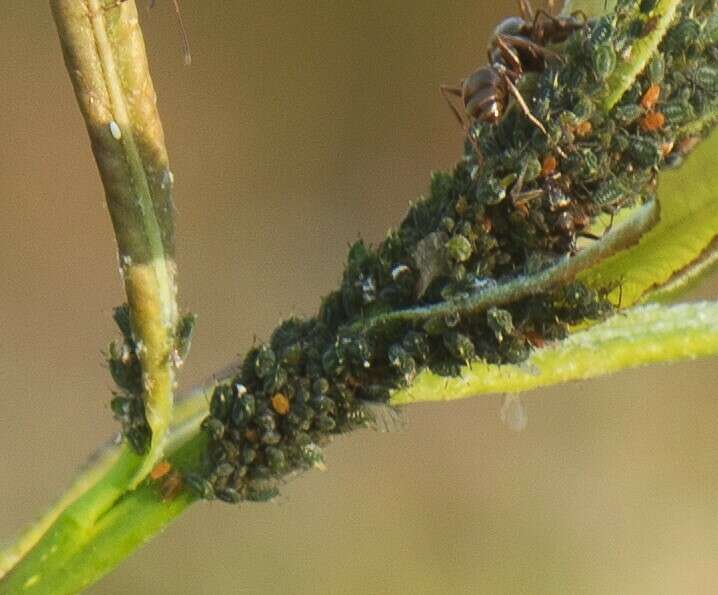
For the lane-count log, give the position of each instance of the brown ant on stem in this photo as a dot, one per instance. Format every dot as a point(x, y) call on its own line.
point(516, 46)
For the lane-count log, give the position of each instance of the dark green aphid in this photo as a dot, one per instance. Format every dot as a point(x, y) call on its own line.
point(459, 248)
point(122, 406)
point(707, 77)
point(601, 31)
point(276, 459)
point(199, 485)
point(490, 191)
point(261, 493)
point(644, 151)
point(265, 361)
point(139, 438)
point(121, 315)
point(213, 427)
point(416, 345)
point(683, 35)
point(402, 362)
point(710, 31)
point(657, 69)
point(243, 409)
point(125, 368)
point(584, 108)
point(459, 346)
point(271, 437)
point(678, 112)
point(219, 405)
point(609, 194)
point(604, 61)
point(500, 322)
point(333, 361)
point(325, 422)
point(183, 336)
point(229, 495)
point(648, 5)
point(627, 114)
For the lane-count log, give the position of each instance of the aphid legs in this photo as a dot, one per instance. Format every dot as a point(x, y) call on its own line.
point(522, 104)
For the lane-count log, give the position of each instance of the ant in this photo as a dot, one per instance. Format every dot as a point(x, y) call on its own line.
point(516, 46)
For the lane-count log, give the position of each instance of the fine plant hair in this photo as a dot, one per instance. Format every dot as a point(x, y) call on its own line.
point(526, 264)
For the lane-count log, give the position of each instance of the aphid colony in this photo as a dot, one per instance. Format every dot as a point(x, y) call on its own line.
point(541, 192)
point(516, 202)
point(123, 359)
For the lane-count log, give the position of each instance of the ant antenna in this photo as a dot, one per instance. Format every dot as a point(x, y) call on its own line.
point(187, 54)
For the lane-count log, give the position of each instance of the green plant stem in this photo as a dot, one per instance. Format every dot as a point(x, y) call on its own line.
point(190, 409)
point(105, 57)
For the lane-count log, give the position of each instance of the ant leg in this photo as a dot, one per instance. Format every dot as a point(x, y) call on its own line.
point(447, 92)
point(510, 41)
point(522, 103)
point(504, 43)
point(526, 10)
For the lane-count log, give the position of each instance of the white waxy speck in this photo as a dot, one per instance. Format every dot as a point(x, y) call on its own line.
point(513, 414)
point(115, 130)
point(241, 390)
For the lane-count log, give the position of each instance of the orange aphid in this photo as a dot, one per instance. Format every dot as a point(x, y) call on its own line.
point(549, 165)
point(534, 339)
point(652, 121)
point(487, 224)
point(160, 470)
point(251, 435)
point(584, 129)
point(280, 403)
point(650, 97)
point(171, 485)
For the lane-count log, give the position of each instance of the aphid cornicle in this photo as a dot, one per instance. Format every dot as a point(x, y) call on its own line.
point(516, 46)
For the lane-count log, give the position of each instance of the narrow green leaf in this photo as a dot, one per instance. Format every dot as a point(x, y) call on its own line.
point(683, 243)
point(646, 335)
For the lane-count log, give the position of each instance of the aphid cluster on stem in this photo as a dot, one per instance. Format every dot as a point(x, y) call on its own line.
point(125, 366)
point(126, 370)
point(521, 199)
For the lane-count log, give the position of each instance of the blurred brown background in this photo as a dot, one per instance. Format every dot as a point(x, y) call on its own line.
point(299, 127)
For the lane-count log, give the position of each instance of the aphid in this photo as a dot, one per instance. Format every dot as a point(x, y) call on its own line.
point(183, 338)
point(707, 77)
point(171, 485)
point(160, 470)
point(548, 166)
point(644, 151)
point(652, 121)
point(185, 39)
point(678, 112)
point(280, 404)
point(584, 129)
point(650, 97)
point(604, 61)
point(517, 46)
